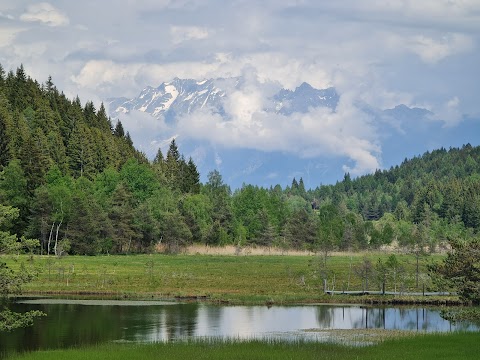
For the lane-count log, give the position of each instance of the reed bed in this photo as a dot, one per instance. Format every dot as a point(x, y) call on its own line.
point(425, 347)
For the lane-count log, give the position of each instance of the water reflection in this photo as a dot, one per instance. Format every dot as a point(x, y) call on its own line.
point(77, 323)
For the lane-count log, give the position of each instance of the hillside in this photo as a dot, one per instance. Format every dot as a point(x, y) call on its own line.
point(71, 179)
point(209, 117)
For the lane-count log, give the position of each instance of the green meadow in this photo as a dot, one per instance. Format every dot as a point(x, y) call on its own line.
point(234, 279)
point(425, 347)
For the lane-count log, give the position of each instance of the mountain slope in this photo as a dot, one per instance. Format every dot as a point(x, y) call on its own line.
point(184, 96)
point(214, 103)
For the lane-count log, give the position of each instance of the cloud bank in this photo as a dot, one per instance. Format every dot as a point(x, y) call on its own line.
point(420, 53)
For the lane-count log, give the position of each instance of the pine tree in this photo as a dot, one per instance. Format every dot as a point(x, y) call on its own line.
point(193, 177)
point(172, 166)
point(119, 131)
point(301, 189)
point(2, 78)
point(57, 151)
point(13, 192)
point(5, 120)
point(128, 140)
point(17, 86)
point(159, 159)
point(89, 113)
point(125, 232)
point(80, 152)
point(103, 121)
point(34, 159)
point(45, 118)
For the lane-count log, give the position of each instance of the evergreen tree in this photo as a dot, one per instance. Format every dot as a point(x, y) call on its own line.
point(103, 121)
point(34, 159)
point(5, 121)
point(301, 229)
point(89, 114)
point(2, 78)
point(119, 131)
point(193, 177)
point(159, 159)
point(172, 166)
point(301, 188)
point(80, 152)
point(13, 191)
point(125, 233)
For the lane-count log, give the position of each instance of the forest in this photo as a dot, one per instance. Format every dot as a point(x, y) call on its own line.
point(71, 178)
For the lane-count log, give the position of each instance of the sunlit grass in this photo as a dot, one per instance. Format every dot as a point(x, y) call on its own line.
point(237, 279)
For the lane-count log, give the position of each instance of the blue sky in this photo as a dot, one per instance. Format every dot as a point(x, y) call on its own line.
point(383, 53)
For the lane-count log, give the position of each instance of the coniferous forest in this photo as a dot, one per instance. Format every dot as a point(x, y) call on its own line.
point(71, 178)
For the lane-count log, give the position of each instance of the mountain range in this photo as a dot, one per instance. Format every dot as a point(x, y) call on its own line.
point(184, 96)
point(403, 131)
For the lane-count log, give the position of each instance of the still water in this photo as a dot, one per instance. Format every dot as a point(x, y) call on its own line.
point(77, 322)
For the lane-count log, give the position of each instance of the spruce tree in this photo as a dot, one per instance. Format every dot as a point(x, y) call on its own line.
point(4, 136)
point(172, 166)
point(119, 131)
point(103, 121)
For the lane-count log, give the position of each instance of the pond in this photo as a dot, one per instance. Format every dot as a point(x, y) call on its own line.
point(81, 322)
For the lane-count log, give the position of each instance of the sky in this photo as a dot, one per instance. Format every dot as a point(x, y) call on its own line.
point(382, 53)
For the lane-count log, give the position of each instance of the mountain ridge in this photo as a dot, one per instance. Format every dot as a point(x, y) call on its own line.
point(186, 101)
point(184, 96)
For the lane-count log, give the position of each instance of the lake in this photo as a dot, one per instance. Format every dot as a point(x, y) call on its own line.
point(80, 322)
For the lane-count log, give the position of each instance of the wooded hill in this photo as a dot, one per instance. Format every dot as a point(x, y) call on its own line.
point(72, 179)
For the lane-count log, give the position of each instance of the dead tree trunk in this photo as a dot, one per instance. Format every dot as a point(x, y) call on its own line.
point(56, 237)
point(50, 238)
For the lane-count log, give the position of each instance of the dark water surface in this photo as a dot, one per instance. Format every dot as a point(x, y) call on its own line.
point(81, 322)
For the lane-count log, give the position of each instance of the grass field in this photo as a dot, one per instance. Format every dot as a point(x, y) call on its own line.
point(236, 279)
point(433, 346)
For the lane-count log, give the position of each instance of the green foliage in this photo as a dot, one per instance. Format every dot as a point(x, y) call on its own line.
point(10, 284)
point(400, 346)
point(66, 168)
point(11, 281)
point(461, 268)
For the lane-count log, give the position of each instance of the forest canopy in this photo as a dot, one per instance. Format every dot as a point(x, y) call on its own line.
point(78, 185)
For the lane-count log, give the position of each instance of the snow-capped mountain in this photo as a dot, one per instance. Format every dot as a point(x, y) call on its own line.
point(180, 96)
point(184, 96)
point(303, 98)
point(398, 132)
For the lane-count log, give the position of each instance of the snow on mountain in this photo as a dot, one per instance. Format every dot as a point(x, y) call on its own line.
point(181, 96)
point(303, 98)
point(184, 96)
point(400, 130)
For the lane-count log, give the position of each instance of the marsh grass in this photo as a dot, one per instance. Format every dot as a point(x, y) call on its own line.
point(233, 279)
point(425, 347)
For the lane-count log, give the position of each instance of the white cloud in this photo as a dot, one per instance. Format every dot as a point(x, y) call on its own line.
point(30, 51)
point(8, 34)
point(449, 112)
point(109, 77)
point(218, 160)
point(199, 155)
point(144, 131)
point(45, 13)
point(184, 33)
point(348, 132)
point(382, 53)
point(433, 50)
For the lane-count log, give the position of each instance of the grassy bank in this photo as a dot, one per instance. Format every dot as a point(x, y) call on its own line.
point(437, 347)
point(235, 279)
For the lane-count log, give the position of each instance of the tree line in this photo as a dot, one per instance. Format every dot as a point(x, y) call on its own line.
point(77, 184)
